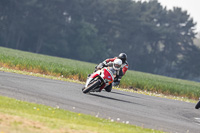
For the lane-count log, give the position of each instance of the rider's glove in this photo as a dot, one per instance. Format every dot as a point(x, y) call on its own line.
point(101, 65)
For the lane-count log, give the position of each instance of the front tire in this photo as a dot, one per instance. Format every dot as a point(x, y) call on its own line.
point(197, 105)
point(91, 86)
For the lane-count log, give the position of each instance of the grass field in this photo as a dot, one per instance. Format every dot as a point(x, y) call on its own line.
point(78, 70)
point(23, 117)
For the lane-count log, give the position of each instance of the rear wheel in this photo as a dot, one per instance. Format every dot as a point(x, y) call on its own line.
point(91, 86)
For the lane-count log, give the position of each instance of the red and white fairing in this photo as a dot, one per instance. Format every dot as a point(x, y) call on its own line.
point(105, 74)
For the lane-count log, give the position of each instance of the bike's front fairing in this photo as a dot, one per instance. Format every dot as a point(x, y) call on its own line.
point(104, 75)
point(108, 76)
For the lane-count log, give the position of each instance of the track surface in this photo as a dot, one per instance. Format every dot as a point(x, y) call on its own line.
point(146, 111)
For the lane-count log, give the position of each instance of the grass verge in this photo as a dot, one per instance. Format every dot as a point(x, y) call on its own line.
point(18, 116)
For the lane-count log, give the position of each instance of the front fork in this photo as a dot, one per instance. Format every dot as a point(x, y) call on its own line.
point(91, 80)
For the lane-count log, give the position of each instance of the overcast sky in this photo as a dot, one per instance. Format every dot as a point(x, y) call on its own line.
point(192, 7)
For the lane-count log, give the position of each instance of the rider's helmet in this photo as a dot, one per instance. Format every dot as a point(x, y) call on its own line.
point(117, 64)
point(123, 57)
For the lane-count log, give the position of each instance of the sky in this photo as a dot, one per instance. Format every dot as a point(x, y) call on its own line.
point(191, 6)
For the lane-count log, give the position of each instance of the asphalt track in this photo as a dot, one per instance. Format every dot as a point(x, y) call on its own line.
point(137, 109)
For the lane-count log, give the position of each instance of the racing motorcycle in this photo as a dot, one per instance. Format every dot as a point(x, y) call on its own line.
point(99, 80)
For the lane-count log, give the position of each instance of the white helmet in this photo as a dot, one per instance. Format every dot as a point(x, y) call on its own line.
point(117, 64)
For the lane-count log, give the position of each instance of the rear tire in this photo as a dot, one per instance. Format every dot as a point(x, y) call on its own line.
point(91, 86)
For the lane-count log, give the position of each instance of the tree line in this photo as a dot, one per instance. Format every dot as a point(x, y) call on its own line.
point(156, 40)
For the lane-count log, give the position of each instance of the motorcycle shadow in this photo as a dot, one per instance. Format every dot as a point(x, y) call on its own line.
point(124, 94)
point(111, 98)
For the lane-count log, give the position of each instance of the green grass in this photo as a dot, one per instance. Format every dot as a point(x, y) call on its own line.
point(161, 84)
point(44, 64)
point(79, 70)
point(19, 116)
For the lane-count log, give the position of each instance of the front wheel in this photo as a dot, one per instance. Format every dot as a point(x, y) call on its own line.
point(91, 86)
point(197, 105)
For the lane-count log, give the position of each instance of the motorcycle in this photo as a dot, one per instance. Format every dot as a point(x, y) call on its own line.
point(99, 80)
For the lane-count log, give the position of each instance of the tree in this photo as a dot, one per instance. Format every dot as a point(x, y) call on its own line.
point(177, 38)
point(190, 65)
point(155, 39)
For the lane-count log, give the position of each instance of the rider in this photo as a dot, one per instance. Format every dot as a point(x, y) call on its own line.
point(120, 72)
